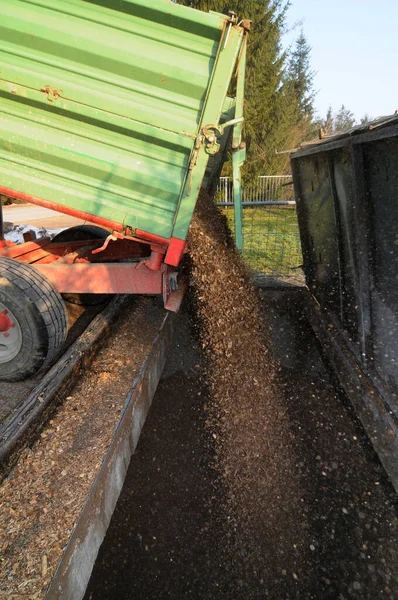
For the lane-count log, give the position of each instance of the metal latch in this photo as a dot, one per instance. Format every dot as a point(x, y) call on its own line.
point(210, 131)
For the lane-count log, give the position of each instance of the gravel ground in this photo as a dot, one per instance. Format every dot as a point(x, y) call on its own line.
point(171, 537)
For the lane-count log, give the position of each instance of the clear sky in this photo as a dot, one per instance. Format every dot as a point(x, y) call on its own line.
point(354, 52)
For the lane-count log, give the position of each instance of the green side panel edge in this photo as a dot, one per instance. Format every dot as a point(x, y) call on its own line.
point(230, 48)
point(101, 103)
point(239, 150)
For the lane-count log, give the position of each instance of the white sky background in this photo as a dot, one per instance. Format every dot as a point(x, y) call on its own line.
point(354, 52)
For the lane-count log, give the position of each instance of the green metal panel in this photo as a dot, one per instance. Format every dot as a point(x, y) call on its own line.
point(222, 74)
point(102, 103)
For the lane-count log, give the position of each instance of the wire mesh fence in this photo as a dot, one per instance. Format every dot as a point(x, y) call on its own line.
point(271, 241)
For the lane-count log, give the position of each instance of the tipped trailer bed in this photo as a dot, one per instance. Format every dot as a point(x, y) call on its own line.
point(109, 112)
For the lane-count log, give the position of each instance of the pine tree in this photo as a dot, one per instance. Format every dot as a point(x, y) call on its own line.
point(344, 119)
point(302, 77)
point(338, 122)
point(366, 119)
point(329, 122)
point(269, 112)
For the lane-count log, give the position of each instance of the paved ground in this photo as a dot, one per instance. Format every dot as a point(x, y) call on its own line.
point(29, 214)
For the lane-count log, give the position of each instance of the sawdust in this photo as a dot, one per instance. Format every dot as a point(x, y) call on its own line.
point(246, 418)
point(43, 497)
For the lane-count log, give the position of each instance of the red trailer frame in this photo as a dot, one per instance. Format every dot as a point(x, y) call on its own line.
point(89, 266)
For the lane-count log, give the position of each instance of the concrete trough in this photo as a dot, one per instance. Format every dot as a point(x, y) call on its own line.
point(58, 501)
point(73, 573)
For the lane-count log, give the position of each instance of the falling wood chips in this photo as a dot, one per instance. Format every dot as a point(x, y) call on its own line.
point(43, 497)
point(246, 418)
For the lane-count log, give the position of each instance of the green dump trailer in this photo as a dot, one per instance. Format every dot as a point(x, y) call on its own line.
point(109, 111)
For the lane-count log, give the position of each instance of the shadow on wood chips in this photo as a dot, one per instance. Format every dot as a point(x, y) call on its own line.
point(244, 483)
point(172, 535)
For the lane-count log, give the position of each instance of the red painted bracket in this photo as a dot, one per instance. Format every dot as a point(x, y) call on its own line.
point(175, 298)
point(115, 278)
point(103, 278)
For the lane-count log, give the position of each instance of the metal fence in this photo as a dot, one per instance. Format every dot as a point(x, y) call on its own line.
point(271, 241)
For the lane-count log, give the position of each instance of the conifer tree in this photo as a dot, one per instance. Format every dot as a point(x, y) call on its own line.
point(344, 119)
point(366, 119)
point(274, 102)
point(329, 122)
point(302, 77)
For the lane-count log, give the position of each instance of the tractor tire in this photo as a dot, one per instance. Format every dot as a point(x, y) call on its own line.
point(33, 320)
point(80, 233)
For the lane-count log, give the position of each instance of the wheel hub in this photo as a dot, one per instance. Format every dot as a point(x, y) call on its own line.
point(10, 335)
point(5, 322)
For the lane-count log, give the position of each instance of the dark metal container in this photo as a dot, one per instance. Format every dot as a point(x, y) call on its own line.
point(347, 200)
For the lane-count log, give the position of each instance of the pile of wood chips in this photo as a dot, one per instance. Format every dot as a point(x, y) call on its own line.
point(43, 497)
point(246, 418)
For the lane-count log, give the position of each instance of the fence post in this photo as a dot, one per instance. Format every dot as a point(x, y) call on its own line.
point(239, 149)
point(238, 158)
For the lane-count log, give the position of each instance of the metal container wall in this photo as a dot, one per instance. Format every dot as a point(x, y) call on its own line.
point(347, 199)
point(101, 103)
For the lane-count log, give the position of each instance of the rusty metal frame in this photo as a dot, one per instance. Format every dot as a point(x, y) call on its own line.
point(372, 394)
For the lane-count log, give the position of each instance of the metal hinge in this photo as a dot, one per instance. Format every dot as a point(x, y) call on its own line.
point(209, 134)
point(210, 131)
point(209, 137)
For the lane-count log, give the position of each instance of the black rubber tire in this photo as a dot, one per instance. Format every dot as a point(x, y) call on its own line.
point(80, 233)
point(41, 315)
